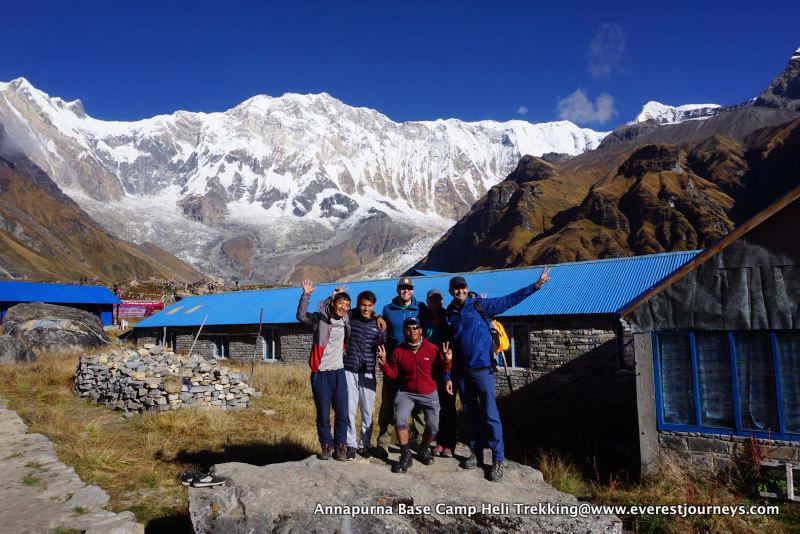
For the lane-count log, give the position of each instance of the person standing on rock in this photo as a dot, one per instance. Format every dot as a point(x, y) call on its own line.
point(328, 380)
point(472, 366)
point(367, 333)
point(417, 365)
point(436, 330)
point(402, 307)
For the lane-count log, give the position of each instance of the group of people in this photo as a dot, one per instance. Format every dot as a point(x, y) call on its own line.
point(426, 352)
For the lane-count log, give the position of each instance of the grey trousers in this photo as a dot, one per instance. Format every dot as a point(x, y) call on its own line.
point(360, 394)
point(404, 402)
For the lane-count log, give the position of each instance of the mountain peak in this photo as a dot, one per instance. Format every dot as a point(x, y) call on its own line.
point(664, 114)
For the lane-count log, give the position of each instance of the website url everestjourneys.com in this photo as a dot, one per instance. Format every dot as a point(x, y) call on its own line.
point(544, 509)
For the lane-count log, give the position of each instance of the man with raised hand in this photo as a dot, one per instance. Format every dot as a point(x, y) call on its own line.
point(417, 365)
point(472, 366)
point(328, 381)
point(402, 307)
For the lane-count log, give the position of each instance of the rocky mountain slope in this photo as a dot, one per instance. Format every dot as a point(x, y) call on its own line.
point(44, 235)
point(271, 188)
point(650, 187)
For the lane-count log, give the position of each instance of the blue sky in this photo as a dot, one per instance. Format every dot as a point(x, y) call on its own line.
point(410, 60)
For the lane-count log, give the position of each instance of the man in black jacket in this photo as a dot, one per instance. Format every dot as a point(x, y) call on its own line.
point(359, 364)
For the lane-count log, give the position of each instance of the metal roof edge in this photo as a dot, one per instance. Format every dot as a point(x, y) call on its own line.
point(712, 250)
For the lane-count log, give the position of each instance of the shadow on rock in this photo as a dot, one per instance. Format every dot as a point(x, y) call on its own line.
point(249, 453)
point(173, 524)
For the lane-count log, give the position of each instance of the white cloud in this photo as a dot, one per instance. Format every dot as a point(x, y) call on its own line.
point(606, 49)
point(522, 110)
point(579, 109)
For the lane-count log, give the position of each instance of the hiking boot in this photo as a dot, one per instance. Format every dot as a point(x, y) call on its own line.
point(351, 454)
point(437, 451)
point(340, 454)
point(325, 454)
point(204, 481)
point(469, 463)
point(424, 455)
point(364, 452)
point(497, 472)
point(404, 463)
point(380, 453)
point(446, 453)
point(188, 476)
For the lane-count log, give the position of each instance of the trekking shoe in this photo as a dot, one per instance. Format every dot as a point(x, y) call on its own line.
point(325, 454)
point(497, 472)
point(446, 453)
point(188, 476)
point(204, 481)
point(437, 451)
point(364, 452)
point(340, 454)
point(380, 453)
point(351, 454)
point(424, 455)
point(404, 463)
point(469, 463)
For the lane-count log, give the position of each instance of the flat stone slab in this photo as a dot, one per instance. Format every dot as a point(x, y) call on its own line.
point(365, 496)
point(38, 493)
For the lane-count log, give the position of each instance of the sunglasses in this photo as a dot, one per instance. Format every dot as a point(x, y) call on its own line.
point(412, 327)
point(406, 288)
point(460, 286)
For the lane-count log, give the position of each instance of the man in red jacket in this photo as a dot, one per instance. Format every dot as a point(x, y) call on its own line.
point(416, 364)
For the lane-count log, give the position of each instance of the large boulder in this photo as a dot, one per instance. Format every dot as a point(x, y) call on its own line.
point(47, 327)
point(13, 350)
point(364, 496)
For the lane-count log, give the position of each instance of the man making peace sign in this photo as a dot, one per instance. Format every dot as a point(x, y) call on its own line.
point(416, 364)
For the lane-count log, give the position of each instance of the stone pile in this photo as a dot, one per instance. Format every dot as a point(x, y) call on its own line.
point(152, 379)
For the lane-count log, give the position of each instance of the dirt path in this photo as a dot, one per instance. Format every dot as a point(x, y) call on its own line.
point(39, 494)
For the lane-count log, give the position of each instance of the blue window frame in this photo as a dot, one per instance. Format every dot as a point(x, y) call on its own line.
point(736, 383)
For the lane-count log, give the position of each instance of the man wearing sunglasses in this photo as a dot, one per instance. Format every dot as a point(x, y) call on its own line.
point(417, 365)
point(472, 366)
point(403, 306)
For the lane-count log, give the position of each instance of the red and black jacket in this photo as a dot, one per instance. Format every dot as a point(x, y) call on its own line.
point(417, 372)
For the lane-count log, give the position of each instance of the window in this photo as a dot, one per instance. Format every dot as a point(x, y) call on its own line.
point(745, 383)
point(220, 347)
point(269, 347)
point(518, 355)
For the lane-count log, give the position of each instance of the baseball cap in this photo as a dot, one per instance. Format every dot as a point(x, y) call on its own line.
point(457, 281)
point(405, 281)
point(411, 321)
point(432, 292)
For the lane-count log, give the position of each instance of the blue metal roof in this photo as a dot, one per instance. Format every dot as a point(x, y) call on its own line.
point(55, 293)
point(579, 288)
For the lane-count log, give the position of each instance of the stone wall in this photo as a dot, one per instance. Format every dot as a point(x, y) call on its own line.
point(715, 453)
point(555, 342)
point(295, 344)
point(292, 343)
point(151, 379)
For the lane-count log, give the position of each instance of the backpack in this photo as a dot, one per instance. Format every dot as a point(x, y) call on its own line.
point(500, 341)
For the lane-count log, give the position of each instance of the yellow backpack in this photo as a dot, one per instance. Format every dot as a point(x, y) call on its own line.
point(503, 343)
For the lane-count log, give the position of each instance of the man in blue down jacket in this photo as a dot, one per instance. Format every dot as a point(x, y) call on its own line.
point(472, 366)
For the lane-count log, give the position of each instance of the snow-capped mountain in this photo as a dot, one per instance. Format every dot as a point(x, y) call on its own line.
point(664, 114)
point(283, 178)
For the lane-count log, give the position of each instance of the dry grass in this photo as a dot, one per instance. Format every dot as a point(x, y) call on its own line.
point(672, 486)
point(138, 461)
